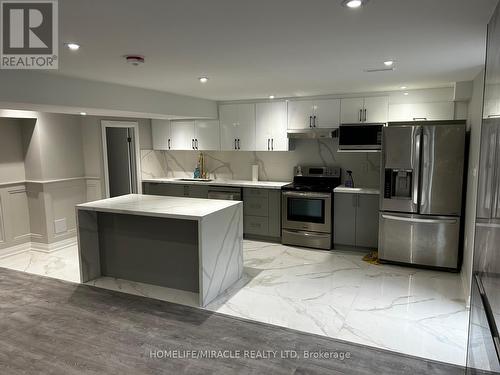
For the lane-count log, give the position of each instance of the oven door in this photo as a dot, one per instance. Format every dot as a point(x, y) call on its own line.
point(307, 211)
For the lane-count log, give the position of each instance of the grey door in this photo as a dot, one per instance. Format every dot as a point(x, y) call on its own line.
point(121, 161)
point(400, 155)
point(417, 239)
point(442, 169)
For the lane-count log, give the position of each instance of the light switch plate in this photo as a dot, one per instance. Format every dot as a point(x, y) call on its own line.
point(60, 226)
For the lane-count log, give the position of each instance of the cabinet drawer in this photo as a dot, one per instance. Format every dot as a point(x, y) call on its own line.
point(250, 192)
point(256, 206)
point(255, 225)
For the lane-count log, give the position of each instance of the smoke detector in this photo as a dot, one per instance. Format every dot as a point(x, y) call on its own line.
point(134, 59)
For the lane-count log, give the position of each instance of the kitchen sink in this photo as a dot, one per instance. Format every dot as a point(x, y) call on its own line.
point(195, 179)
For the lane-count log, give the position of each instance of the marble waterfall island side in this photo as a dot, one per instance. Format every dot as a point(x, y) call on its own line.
point(189, 244)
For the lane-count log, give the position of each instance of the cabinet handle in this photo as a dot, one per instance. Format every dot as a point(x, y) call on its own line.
point(235, 144)
point(360, 114)
point(169, 143)
point(196, 143)
point(365, 115)
point(419, 118)
point(268, 144)
point(192, 144)
point(238, 144)
point(314, 122)
point(272, 143)
point(310, 121)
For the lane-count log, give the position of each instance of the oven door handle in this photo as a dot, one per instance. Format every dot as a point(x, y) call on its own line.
point(306, 194)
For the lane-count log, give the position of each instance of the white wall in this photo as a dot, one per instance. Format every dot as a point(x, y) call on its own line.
point(60, 146)
point(474, 124)
point(11, 151)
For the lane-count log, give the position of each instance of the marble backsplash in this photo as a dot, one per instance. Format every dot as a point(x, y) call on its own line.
point(273, 166)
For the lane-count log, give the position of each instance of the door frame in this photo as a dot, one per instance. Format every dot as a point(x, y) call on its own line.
point(134, 125)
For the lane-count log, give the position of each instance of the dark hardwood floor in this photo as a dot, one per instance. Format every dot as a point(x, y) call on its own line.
point(49, 326)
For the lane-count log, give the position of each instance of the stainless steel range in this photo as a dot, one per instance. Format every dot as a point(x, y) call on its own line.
point(307, 207)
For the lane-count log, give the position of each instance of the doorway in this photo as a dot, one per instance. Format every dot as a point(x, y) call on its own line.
point(120, 141)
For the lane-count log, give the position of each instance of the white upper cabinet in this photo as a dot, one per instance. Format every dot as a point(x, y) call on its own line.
point(300, 114)
point(237, 127)
point(326, 113)
point(161, 134)
point(271, 126)
point(182, 135)
point(207, 135)
point(422, 111)
point(351, 110)
point(304, 114)
point(369, 109)
point(376, 109)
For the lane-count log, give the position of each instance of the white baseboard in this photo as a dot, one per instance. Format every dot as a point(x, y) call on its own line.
point(13, 250)
point(38, 246)
point(54, 246)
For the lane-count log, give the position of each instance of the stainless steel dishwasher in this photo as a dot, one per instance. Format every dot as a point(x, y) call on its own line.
point(224, 192)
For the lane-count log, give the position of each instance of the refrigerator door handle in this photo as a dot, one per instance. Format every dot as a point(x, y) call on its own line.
point(496, 196)
point(416, 166)
point(417, 220)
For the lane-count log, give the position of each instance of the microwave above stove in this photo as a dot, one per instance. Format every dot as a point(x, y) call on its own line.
point(360, 137)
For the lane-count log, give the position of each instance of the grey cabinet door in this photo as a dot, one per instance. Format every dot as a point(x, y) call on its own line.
point(257, 225)
point(344, 219)
point(275, 213)
point(196, 191)
point(172, 190)
point(367, 220)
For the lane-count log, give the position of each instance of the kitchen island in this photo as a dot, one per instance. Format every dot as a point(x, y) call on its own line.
point(181, 243)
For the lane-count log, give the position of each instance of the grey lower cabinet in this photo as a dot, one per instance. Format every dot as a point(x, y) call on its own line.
point(176, 190)
point(355, 220)
point(262, 213)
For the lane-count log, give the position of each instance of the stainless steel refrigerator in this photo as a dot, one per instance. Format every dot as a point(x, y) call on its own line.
point(421, 203)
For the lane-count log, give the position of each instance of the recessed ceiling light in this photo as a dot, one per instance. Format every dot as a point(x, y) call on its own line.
point(271, 96)
point(73, 46)
point(403, 87)
point(203, 79)
point(354, 3)
point(389, 63)
point(83, 113)
point(406, 94)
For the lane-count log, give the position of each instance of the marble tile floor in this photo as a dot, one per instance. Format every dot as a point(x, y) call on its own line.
point(336, 294)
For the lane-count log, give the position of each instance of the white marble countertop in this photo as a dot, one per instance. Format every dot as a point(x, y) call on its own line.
point(159, 206)
point(221, 182)
point(356, 190)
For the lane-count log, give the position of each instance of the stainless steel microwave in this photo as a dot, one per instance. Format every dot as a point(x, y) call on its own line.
point(360, 137)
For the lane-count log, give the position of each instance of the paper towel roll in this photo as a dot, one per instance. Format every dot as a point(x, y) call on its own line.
point(255, 172)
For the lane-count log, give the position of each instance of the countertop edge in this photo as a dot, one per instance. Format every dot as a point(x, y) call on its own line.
point(272, 185)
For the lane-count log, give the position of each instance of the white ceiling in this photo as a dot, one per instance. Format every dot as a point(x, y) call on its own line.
point(254, 48)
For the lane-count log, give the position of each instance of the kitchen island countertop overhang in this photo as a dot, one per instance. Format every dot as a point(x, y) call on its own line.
point(189, 244)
